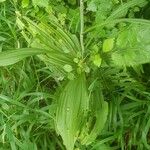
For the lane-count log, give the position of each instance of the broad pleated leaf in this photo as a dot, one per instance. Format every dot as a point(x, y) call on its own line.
point(72, 110)
point(100, 117)
point(97, 119)
point(63, 46)
point(13, 56)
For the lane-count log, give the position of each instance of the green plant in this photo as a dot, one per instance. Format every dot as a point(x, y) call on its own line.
point(87, 66)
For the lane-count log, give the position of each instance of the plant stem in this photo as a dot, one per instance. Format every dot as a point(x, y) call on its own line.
point(82, 25)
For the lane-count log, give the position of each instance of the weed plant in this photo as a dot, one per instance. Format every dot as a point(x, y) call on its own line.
point(74, 75)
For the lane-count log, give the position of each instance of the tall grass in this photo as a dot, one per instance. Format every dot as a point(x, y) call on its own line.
point(69, 96)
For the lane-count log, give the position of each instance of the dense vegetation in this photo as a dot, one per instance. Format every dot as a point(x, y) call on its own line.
point(74, 75)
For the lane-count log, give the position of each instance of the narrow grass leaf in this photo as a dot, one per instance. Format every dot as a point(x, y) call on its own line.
point(122, 9)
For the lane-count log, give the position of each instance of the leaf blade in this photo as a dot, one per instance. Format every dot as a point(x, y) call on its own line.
point(14, 56)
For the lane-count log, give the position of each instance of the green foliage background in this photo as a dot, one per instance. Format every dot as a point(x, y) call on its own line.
point(115, 64)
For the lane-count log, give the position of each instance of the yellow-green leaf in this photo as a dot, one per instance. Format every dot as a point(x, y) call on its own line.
point(2, 1)
point(108, 45)
point(68, 68)
point(25, 3)
point(97, 60)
